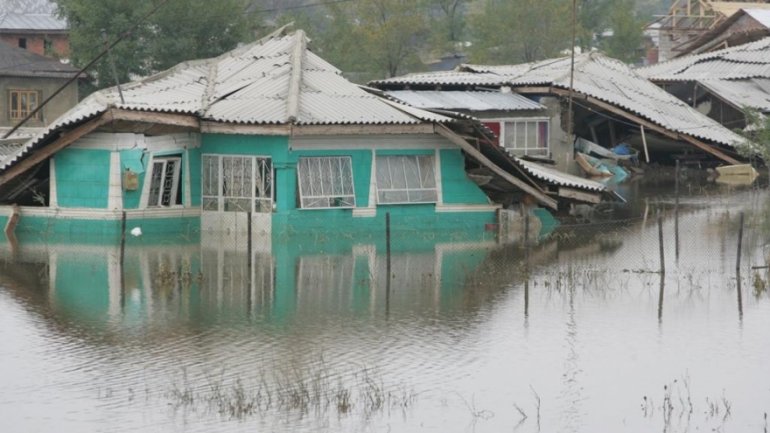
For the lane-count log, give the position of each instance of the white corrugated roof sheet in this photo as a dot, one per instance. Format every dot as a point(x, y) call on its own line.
point(753, 93)
point(465, 100)
point(597, 76)
point(750, 60)
point(559, 178)
point(614, 82)
point(249, 85)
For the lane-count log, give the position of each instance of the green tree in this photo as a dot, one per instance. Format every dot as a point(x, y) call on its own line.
point(515, 31)
point(626, 39)
point(367, 38)
point(179, 30)
point(757, 135)
point(448, 22)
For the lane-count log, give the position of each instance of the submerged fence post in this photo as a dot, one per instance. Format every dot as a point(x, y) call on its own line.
point(740, 245)
point(122, 258)
point(660, 241)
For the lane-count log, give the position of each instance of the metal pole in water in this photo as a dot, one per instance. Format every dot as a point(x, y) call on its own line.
point(660, 241)
point(740, 244)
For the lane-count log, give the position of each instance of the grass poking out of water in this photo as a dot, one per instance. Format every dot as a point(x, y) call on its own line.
point(299, 391)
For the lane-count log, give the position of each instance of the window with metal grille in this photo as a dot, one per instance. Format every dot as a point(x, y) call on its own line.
point(527, 136)
point(164, 183)
point(233, 183)
point(406, 179)
point(22, 102)
point(326, 182)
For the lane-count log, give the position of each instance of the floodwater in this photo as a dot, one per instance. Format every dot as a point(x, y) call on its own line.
point(579, 333)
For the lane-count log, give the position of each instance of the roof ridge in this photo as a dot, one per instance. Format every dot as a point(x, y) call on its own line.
point(295, 83)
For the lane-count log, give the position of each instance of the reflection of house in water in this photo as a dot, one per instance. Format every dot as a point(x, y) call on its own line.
point(215, 279)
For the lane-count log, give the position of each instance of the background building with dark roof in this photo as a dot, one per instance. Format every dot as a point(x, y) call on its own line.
point(34, 26)
point(26, 80)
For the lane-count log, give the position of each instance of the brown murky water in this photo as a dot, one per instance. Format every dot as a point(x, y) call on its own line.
point(580, 333)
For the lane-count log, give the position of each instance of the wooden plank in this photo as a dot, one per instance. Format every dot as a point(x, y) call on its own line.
point(13, 220)
point(574, 194)
point(423, 128)
point(644, 143)
point(156, 118)
point(242, 129)
point(64, 140)
point(477, 155)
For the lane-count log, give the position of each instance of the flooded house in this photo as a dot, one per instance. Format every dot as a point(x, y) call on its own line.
point(611, 104)
point(268, 139)
point(721, 84)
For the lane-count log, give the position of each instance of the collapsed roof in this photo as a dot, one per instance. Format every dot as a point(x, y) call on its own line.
point(598, 80)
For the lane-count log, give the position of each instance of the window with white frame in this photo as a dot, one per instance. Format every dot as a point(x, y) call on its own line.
point(326, 182)
point(164, 182)
point(406, 179)
point(237, 183)
point(525, 136)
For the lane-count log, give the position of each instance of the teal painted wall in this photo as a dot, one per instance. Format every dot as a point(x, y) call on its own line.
point(194, 159)
point(82, 178)
point(55, 228)
point(457, 188)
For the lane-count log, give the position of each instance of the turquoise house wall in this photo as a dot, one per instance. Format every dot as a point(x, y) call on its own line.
point(457, 188)
point(82, 178)
point(289, 220)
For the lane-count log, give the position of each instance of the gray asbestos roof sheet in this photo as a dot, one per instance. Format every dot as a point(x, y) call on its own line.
point(750, 60)
point(20, 22)
point(597, 76)
point(754, 93)
point(462, 100)
point(249, 85)
point(559, 178)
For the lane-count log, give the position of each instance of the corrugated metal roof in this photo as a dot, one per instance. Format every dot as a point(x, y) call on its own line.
point(559, 178)
point(14, 21)
point(729, 8)
point(613, 82)
point(460, 78)
point(750, 60)
point(597, 76)
point(462, 100)
point(248, 85)
point(752, 93)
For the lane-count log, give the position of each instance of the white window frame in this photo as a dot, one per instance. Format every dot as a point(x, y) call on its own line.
point(318, 197)
point(163, 162)
point(529, 148)
point(390, 163)
point(262, 174)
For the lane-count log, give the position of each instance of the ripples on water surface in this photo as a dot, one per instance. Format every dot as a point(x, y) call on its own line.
point(466, 339)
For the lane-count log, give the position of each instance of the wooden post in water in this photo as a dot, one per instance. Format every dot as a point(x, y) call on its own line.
point(676, 211)
point(122, 258)
point(660, 297)
point(249, 261)
point(387, 263)
point(740, 245)
point(660, 241)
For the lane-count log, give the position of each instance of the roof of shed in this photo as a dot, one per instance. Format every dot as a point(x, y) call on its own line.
point(465, 100)
point(597, 76)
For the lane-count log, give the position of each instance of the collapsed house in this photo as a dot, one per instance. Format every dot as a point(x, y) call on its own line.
point(721, 84)
point(267, 138)
point(611, 104)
